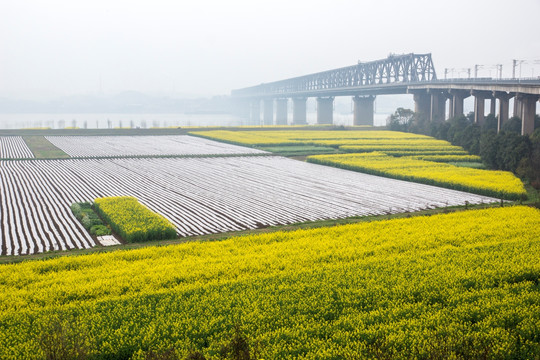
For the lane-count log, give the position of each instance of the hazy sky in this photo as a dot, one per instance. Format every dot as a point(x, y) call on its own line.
point(51, 48)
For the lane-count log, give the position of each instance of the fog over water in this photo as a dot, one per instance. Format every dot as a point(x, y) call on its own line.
point(60, 48)
point(145, 121)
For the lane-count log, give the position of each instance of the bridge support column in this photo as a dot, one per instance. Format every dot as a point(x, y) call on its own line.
point(422, 104)
point(299, 111)
point(255, 114)
point(479, 109)
point(518, 106)
point(268, 114)
point(493, 106)
point(504, 100)
point(438, 107)
point(281, 111)
point(529, 110)
point(325, 110)
point(459, 96)
point(450, 107)
point(480, 106)
point(363, 110)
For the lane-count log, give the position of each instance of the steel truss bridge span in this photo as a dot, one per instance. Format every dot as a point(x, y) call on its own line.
point(373, 75)
point(398, 74)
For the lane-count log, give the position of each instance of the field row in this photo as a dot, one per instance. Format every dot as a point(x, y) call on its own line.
point(390, 142)
point(198, 195)
point(500, 184)
point(109, 146)
point(133, 221)
point(14, 147)
point(455, 286)
point(297, 137)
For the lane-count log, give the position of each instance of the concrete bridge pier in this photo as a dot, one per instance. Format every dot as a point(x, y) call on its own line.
point(255, 112)
point(450, 106)
point(528, 103)
point(363, 110)
point(281, 111)
point(438, 106)
point(504, 106)
point(458, 97)
point(268, 112)
point(325, 110)
point(422, 104)
point(493, 105)
point(480, 106)
point(518, 108)
point(299, 111)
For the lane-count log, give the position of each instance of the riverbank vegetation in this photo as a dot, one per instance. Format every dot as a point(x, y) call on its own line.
point(507, 150)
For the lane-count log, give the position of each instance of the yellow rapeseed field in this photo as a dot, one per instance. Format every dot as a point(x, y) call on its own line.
point(461, 285)
point(354, 141)
point(448, 158)
point(500, 184)
point(133, 221)
point(308, 137)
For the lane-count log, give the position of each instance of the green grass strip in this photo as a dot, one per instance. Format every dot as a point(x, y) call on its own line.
point(43, 148)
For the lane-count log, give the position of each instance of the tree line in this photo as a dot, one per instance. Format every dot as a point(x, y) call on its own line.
point(507, 150)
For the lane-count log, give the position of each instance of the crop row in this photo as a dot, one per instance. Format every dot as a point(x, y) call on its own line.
point(198, 195)
point(109, 146)
point(446, 158)
point(390, 142)
point(90, 219)
point(298, 137)
point(132, 221)
point(14, 147)
point(455, 286)
point(403, 149)
point(501, 184)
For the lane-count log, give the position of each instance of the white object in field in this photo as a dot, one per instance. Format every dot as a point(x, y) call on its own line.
point(108, 240)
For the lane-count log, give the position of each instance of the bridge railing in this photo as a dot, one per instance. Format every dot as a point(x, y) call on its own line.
point(531, 80)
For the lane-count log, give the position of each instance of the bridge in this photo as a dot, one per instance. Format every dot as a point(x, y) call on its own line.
point(398, 74)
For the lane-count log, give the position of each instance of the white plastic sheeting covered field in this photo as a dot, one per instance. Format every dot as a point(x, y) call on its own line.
point(14, 147)
point(198, 195)
point(109, 146)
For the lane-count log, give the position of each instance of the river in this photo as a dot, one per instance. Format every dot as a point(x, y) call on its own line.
point(115, 120)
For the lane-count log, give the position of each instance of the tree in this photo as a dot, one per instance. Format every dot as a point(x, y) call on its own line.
point(490, 123)
point(529, 168)
point(400, 119)
point(457, 125)
point(420, 124)
point(512, 125)
point(511, 149)
point(469, 139)
point(488, 148)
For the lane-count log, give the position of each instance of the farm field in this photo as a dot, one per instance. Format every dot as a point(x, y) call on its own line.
point(454, 286)
point(198, 195)
point(114, 146)
point(133, 221)
point(322, 137)
point(501, 184)
point(394, 142)
point(14, 147)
